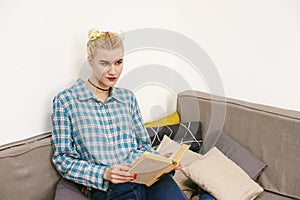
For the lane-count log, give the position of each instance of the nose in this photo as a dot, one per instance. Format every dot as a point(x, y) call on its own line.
point(112, 69)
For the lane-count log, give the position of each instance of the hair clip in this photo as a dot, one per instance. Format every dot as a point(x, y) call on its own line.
point(94, 34)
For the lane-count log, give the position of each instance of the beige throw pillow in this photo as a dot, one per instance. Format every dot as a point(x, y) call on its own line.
point(185, 183)
point(221, 177)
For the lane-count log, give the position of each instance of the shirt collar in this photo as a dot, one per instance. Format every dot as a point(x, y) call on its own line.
point(83, 93)
point(115, 93)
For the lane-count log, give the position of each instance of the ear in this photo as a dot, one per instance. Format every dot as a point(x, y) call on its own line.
point(90, 60)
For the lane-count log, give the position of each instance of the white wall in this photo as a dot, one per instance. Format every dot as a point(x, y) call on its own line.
point(253, 44)
point(43, 48)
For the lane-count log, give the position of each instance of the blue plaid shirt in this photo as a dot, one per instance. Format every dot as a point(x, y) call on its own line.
point(89, 135)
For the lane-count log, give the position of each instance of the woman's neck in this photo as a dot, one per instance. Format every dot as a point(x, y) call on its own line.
point(99, 94)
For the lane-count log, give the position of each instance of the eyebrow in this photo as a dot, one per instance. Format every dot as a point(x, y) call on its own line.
point(105, 61)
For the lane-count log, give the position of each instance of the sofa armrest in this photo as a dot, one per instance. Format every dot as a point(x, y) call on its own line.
point(26, 169)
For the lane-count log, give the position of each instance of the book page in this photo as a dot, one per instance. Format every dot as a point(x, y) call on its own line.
point(169, 150)
point(149, 162)
point(149, 165)
point(180, 153)
point(149, 178)
point(168, 147)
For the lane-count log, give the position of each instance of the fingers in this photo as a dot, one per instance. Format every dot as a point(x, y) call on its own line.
point(119, 174)
point(115, 178)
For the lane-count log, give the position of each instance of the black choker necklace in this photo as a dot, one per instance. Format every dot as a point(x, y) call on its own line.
point(97, 86)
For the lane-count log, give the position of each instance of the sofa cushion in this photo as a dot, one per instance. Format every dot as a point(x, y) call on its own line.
point(67, 190)
point(221, 177)
point(266, 195)
point(26, 169)
point(183, 133)
point(239, 154)
point(168, 120)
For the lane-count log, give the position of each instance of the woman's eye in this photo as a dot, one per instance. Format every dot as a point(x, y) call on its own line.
point(103, 63)
point(119, 62)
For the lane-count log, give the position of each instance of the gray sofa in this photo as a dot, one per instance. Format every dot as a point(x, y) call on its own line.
point(273, 134)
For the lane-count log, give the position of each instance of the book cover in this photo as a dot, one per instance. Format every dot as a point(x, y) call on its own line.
point(150, 167)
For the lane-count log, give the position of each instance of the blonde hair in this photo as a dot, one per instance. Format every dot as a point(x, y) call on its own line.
point(104, 40)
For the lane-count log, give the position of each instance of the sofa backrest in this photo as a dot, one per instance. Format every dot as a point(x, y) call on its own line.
point(273, 134)
point(26, 170)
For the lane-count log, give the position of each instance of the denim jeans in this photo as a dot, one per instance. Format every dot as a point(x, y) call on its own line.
point(207, 197)
point(164, 189)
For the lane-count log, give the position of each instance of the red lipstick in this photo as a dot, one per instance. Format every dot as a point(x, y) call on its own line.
point(112, 78)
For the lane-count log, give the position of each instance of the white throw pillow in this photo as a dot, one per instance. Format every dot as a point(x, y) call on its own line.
point(221, 177)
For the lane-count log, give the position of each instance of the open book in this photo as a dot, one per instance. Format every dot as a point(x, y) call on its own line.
point(150, 167)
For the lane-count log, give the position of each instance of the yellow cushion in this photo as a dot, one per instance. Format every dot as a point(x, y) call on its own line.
point(168, 120)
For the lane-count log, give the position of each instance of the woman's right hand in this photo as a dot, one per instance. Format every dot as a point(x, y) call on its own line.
point(119, 174)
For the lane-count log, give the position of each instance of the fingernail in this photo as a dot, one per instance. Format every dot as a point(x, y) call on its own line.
point(134, 176)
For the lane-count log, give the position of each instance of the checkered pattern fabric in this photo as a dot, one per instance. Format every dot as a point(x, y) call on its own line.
point(90, 135)
point(183, 133)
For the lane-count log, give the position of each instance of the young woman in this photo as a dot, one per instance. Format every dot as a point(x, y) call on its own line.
point(98, 131)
